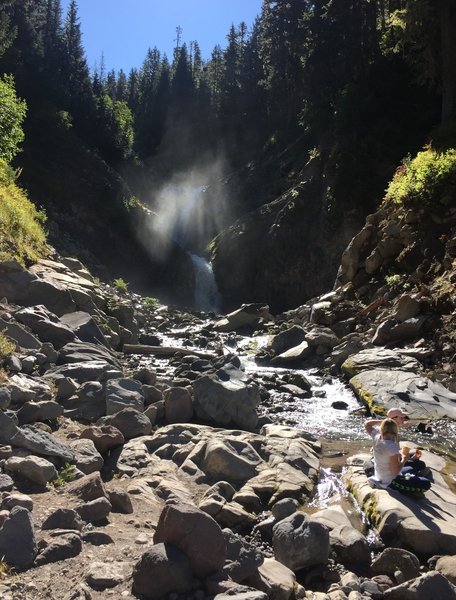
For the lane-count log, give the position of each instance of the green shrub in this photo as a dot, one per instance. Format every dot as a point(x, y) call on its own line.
point(428, 179)
point(12, 114)
point(121, 285)
point(6, 347)
point(22, 235)
point(151, 303)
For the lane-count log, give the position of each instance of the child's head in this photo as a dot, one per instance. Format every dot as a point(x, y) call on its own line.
point(389, 430)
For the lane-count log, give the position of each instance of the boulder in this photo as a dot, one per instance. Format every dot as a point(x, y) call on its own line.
point(196, 534)
point(80, 372)
point(395, 331)
point(18, 334)
point(129, 421)
point(446, 565)
point(84, 327)
point(420, 397)
point(275, 579)
point(22, 287)
point(289, 338)
point(65, 546)
point(400, 520)
point(350, 546)
point(86, 456)
point(91, 401)
point(162, 570)
point(33, 468)
point(299, 352)
point(45, 325)
point(18, 546)
point(88, 488)
point(104, 437)
point(80, 352)
point(225, 398)
point(392, 560)
point(233, 460)
point(178, 405)
point(379, 358)
point(123, 393)
point(63, 518)
point(31, 412)
point(299, 542)
point(242, 558)
point(248, 315)
point(24, 388)
point(102, 575)
point(429, 585)
point(94, 510)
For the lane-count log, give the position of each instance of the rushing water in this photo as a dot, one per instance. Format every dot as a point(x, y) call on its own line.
point(207, 296)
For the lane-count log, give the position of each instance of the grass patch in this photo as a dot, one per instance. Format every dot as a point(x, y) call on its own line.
point(22, 235)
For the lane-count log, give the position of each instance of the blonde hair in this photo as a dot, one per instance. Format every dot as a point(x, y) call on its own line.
point(389, 430)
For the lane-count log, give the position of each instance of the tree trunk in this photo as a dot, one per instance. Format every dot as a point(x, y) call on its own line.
point(448, 49)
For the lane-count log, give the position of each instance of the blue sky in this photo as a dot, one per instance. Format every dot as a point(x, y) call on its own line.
point(123, 30)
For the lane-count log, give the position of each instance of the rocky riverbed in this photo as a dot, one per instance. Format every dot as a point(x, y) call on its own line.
point(147, 452)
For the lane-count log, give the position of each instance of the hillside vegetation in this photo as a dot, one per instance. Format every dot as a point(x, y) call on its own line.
point(22, 234)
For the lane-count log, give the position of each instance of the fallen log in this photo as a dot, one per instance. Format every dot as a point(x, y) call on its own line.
point(166, 351)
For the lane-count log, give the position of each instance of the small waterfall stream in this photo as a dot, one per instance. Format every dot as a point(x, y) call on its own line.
point(207, 296)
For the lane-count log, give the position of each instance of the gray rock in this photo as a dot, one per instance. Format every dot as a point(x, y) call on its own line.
point(287, 339)
point(87, 458)
point(350, 546)
point(46, 410)
point(379, 358)
point(178, 405)
point(11, 500)
point(87, 370)
point(242, 558)
point(104, 437)
point(299, 542)
point(394, 331)
point(63, 518)
point(88, 488)
point(45, 325)
point(162, 570)
point(196, 534)
point(123, 393)
point(97, 538)
point(19, 335)
point(34, 468)
point(234, 460)
point(17, 539)
point(120, 502)
point(84, 327)
point(429, 585)
point(396, 559)
point(5, 398)
point(299, 352)
point(42, 443)
point(95, 510)
point(91, 403)
point(6, 483)
point(77, 352)
point(226, 398)
point(284, 508)
point(26, 289)
point(130, 422)
point(24, 388)
point(248, 315)
point(102, 575)
point(65, 546)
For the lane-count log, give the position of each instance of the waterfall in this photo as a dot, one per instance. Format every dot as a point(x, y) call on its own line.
point(207, 296)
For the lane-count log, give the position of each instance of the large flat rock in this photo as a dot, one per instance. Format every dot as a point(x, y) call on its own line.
point(425, 526)
point(382, 389)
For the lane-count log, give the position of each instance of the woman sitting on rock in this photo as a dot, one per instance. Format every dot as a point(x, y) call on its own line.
point(389, 461)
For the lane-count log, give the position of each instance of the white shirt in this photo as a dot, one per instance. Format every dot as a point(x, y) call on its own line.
point(383, 450)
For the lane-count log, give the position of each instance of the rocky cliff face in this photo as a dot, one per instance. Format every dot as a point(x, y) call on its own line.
point(286, 251)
